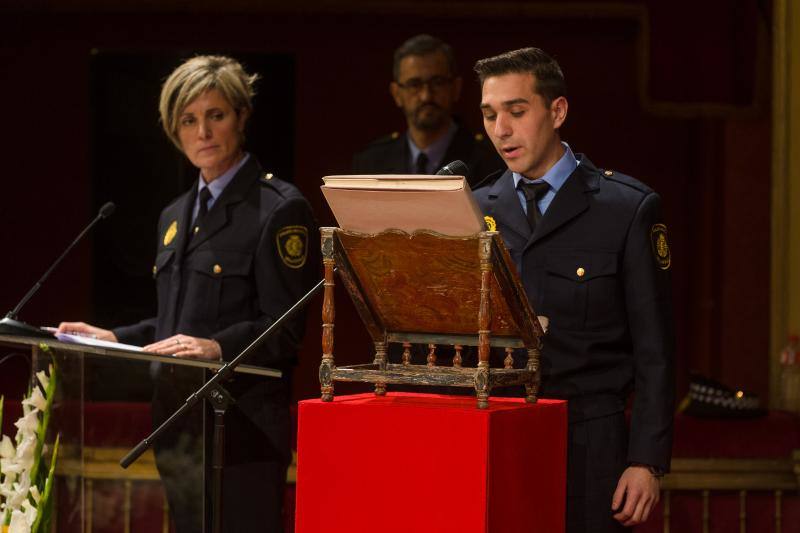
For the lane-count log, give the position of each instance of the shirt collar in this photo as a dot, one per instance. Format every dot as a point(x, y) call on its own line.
point(436, 151)
point(218, 185)
point(557, 174)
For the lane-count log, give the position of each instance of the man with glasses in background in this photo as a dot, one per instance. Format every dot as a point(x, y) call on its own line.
point(426, 88)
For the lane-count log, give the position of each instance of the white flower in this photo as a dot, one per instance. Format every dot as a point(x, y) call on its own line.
point(28, 423)
point(8, 480)
point(18, 523)
point(30, 511)
point(43, 378)
point(36, 399)
point(20, 493)
point(26, 449)
point(10, 466)
point(6, 448)
point(35, 494)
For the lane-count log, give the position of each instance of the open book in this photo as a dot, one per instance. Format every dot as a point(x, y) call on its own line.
point(371, 204)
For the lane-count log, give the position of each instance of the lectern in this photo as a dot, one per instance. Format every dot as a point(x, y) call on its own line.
point(92, 491)
point(428, 288)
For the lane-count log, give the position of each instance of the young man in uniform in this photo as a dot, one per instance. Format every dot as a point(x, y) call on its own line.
point(591, 249)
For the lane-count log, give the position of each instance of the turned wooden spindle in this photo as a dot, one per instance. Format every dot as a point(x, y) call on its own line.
point(508, 362)
point(380, 359)
point(431, 355)
point(328, 314)
point(406, 353)
point(457, 356)
point(482, 382)
point(532, 388)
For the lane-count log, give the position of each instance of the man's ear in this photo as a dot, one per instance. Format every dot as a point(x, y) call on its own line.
point(394, 90)
point(558, 111)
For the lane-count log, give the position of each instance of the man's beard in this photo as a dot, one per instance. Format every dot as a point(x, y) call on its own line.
point(423, 119)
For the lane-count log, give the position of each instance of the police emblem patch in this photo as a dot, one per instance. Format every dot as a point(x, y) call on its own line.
point(658, 241)
point(292, 244)
point(491, 225)
point(172, 230)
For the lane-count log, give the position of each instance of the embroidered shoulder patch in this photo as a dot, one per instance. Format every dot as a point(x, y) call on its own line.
point(658, 241)
point(491, 225)
point(172, 230)
point(292, 244)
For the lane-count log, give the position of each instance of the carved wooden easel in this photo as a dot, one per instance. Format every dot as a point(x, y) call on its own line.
point(430, 289)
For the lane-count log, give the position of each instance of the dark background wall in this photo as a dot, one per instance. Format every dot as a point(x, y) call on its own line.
point(675, 94)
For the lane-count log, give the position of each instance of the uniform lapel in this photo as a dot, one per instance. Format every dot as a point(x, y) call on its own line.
point(217, 217)
point(569, 202)
point(507, 209)
point(183, 212)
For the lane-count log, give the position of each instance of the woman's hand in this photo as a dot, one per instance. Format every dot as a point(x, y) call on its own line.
point(86, 330)
point(186, 346)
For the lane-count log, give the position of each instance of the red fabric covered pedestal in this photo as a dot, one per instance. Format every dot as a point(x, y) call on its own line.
point(430, 463)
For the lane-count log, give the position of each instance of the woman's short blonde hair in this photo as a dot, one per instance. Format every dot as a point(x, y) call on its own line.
point(198, 75)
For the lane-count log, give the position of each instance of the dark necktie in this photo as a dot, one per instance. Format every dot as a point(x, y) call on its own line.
point(205, 196)
point(422, 164)
point(533, 193)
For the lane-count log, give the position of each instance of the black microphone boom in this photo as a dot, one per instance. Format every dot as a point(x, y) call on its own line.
point(10, 325)
point(455, 168)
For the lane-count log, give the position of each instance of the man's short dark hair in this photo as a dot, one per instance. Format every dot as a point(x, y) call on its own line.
point(422, 45)
point(550, 82)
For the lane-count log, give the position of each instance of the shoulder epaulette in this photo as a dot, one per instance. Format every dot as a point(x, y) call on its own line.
point(625, 180)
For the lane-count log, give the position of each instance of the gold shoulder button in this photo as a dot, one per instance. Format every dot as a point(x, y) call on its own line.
point(580, 272)
point(155, 270)
point(395, 134)
point(609, 173)
point(479, 137)
point(217, 269)
point(268, 175)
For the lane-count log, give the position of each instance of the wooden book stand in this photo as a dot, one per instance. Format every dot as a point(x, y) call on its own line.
point(432, 289)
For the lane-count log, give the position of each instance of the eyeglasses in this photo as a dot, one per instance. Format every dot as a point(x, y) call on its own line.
point(415, 85)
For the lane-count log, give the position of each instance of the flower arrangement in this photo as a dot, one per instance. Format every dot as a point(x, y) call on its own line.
point(25, 486)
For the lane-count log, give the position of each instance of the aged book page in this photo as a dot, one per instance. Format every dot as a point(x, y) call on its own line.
point(372, 204)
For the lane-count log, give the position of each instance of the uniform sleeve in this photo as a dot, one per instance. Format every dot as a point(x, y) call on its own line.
point(646, 265)
point(286, 266)
point(140, 334)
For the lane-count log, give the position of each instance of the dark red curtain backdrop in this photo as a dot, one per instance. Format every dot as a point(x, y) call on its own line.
point(674, 93)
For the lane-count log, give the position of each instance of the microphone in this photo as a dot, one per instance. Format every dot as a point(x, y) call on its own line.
point(10, 325)
point(455, 168)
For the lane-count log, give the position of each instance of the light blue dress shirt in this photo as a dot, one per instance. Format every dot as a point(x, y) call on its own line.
point(435, 152)
point(217, 186)
point(555, 178)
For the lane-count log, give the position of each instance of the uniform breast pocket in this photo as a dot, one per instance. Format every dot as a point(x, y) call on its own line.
point(582, 290)
point(220, 285)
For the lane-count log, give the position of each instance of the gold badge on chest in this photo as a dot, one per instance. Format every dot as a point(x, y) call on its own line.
point(658, 240)
point(292, 244)
point(172, 230)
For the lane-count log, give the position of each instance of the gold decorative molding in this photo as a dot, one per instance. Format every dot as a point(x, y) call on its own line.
point(707, 476)
point(734, 474)
point(785, 233)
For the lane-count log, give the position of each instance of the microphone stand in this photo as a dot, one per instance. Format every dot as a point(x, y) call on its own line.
point(9, 325)
point(220, 400)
